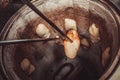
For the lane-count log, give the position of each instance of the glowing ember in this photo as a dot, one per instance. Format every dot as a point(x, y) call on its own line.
point(105, 56)
point(94, 32)
point(42, 31)
point(70, 24)
point(71, 48)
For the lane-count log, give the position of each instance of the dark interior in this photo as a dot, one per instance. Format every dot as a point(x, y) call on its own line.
point(49, 57)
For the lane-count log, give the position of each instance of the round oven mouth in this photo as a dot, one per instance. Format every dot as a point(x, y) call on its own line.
point(99, 12)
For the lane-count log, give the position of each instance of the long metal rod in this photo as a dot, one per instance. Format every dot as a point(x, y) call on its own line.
point(28, 3)
point(4, 42)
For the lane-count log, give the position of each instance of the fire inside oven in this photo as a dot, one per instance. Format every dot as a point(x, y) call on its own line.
point(91, 26)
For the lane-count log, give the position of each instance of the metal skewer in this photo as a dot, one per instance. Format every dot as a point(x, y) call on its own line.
point(4, 42)
point(28, 3)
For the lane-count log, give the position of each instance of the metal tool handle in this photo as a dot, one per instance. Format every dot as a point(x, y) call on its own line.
point(4, 42)
point(28, 3)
